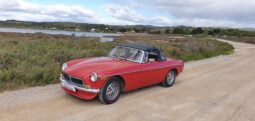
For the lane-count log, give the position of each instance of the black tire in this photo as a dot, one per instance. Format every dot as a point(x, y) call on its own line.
point(103, 97)
point(169, 83)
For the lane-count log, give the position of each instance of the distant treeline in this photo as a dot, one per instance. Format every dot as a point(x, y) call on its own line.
point(213, 31)
point(129, 28)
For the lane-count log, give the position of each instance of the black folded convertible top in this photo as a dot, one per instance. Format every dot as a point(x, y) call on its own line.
point(153, 51)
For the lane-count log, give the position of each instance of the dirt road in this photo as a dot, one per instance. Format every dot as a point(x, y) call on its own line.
point(217, 89)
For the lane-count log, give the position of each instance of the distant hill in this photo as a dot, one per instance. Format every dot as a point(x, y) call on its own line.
point(88, 27)
point(72, 26)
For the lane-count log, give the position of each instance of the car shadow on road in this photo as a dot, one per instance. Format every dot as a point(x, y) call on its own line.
point(80, 100)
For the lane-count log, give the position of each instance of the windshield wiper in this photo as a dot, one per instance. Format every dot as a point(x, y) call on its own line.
point(114, 56)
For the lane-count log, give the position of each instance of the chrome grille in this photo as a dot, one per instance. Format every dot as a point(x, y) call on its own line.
point(76, 81)
point(66, 77)
point(72, 80)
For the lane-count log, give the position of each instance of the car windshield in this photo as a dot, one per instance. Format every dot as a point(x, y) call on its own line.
point(126, 53)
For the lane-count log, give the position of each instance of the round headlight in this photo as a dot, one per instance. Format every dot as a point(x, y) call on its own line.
point(64, 66)
point(93, 77)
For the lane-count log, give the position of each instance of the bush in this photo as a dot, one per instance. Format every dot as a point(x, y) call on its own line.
point(34, 59)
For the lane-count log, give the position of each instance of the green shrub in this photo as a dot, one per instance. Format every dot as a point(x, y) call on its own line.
point(34, 59)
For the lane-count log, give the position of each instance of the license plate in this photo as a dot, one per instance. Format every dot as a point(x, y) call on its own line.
point(68, 86)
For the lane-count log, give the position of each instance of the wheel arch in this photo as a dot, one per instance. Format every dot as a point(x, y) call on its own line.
point(122, 81)
point(174, 69)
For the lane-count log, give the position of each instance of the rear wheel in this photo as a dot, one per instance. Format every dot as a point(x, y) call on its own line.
point(170, 79)
point(110, 91)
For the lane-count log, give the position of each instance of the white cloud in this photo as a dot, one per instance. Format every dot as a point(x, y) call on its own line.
point(130, 16)
point(204, 13)
point(124, 13)
point(216, 13)
point(161, 21)
point(24, 10)
point(212, 12)
point(210, 23)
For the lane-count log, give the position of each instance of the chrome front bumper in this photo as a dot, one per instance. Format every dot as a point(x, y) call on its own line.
point(80, 88)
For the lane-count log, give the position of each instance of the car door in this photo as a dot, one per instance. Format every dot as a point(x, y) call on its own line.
point(153, 72)
point(132, 76)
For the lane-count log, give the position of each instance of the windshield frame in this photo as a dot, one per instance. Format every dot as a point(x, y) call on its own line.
point(139, 61)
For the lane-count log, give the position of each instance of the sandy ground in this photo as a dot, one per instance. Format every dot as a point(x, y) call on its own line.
point(216, 89)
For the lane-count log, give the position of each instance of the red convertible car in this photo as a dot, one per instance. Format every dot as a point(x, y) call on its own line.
point(127, 67)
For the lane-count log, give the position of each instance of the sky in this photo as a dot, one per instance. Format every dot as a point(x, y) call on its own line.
point(197, 13)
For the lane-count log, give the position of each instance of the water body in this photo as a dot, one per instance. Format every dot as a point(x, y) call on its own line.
point(57, 32)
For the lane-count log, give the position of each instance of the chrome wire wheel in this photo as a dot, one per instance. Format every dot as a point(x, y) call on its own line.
point(170, 77)
point(112, 91)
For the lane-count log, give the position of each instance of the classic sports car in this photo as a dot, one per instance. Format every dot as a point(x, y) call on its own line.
point(127, 67)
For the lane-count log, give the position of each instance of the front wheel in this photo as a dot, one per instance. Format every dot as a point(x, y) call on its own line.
point(170, 79)
point(110, 91)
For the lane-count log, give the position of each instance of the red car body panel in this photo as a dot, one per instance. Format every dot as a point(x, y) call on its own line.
point(135, 75)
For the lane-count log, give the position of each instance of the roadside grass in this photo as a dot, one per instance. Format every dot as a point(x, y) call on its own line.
point(197, 48)
point(184, 47)
point(28, 60)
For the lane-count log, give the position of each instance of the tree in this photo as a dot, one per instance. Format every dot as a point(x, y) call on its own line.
point(178, 30)
point(167, 31)
point(198, 30)
point(123, 30)
point(154, 32)
point(214, 32)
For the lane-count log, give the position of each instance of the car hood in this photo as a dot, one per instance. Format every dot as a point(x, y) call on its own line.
point(87, 66)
